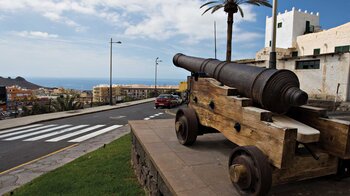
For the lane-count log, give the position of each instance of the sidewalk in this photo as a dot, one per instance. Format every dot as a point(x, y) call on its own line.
point(16, 122)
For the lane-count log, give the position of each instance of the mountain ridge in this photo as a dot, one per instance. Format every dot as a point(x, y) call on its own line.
point(19, 81)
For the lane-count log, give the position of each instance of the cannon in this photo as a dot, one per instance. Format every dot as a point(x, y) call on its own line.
point(275, 90)
point(262, 111)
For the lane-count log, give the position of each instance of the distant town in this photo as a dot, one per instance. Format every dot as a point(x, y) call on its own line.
point(19, 97)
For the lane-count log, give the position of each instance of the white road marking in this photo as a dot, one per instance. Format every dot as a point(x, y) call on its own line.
point(55, 133)
point(19, 128)
point(151, 116)
point(36, 133)
point(74, 133)
point(96, 133)
point(146, 118)
point(26, 131)
point(156, 114)
point(160, 113)
point(117, 117)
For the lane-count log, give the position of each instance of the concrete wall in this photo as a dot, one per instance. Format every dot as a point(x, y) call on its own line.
point(293, 25)
point(264, 54)
point(325, 40)
point(319, 83)
point(322, 83)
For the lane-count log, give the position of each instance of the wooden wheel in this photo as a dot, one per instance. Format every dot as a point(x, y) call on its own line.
point(186, 126)
point(250, 171)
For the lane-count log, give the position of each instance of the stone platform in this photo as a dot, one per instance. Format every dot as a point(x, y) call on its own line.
point(166, 167)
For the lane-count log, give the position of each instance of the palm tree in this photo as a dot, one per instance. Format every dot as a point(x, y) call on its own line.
point(66, 102)
point(231, 7)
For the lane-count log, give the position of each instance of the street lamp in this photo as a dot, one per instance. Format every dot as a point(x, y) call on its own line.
point(110, 73)
point(155, 77)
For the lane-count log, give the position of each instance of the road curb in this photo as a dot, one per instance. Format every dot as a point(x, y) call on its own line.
point(17, 122)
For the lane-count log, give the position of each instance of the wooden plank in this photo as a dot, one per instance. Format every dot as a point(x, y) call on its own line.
point(270, 139)
point(204, 84)
point(306, 134)
point(205, 91)
point(306, 167)
point(256, 127)
point(311, 110)
point(263, 115)
point(334, 134)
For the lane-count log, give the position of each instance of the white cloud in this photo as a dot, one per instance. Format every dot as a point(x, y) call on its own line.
point(155, 19)
point(171, 18)
point(36, 34)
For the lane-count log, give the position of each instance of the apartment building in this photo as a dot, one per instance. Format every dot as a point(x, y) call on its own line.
point(135, 91)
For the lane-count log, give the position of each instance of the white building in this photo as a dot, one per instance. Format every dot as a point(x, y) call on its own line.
point(320, 59)
point(290, 25)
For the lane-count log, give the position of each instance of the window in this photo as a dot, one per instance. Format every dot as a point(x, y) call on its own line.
point(295, 54)
point(270, 43)
point(342, 49)
point(317, 51)
point(310, 64)
point(279, 25)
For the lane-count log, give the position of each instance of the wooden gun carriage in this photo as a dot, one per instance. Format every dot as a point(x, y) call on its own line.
point(279, 140)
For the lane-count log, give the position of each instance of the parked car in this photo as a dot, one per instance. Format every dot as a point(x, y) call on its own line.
point(165, 100)
point(178, 99)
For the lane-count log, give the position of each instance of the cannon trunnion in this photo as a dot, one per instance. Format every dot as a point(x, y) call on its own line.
point(274, 148)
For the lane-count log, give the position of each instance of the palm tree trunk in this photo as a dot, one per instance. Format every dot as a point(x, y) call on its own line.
point(229, 36)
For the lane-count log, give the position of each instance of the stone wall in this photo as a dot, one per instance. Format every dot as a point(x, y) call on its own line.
point(145, 171)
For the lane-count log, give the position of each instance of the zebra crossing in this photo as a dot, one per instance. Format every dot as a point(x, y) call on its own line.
point(55, 132)
point(153, 116)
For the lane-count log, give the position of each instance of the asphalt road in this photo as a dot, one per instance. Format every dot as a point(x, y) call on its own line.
point(21, 145)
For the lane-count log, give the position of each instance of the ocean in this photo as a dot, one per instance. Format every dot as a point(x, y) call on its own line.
point(88, 83)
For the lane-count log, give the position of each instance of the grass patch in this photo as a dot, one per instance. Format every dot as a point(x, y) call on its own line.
point(106, 171)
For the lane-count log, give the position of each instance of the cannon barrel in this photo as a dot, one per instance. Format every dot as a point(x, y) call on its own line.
point(274, 90)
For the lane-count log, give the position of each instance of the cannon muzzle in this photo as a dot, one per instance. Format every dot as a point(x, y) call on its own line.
point(274, 90)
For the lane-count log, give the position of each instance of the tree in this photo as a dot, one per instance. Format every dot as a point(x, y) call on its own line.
point(231, 7)
point(66, 102)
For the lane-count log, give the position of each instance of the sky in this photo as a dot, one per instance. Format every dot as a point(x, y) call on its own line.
point(70, 38)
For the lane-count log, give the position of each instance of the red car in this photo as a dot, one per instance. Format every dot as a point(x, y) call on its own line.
point(165, 100)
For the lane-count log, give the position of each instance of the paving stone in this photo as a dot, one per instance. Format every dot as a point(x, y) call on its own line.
point(150, 138)
point(212, 173)
point(157, 147)
point(167, 161)
point(183, 179)
point(197, 158)
point(7, 180)
point(201, 192)
point(177, 147)
point(224, 189)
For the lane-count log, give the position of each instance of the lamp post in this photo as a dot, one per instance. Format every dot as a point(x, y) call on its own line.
point(110, 73)
point(155, 76)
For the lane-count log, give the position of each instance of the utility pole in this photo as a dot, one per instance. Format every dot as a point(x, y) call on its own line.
point(155, 76)
point(110, 72)
point(215, 39)
point(272, 62)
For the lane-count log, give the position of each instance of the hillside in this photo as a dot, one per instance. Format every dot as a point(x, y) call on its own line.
point(19, 81)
